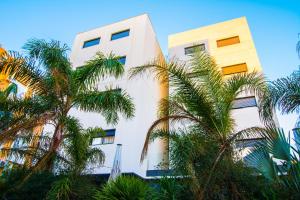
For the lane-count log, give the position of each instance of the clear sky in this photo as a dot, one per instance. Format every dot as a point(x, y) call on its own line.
point(275, 24)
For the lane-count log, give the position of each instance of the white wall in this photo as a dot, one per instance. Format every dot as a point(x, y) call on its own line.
point(139, 48)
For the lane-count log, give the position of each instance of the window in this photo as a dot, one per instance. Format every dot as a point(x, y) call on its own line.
point(248, 142)
point(122, 60)
point(233, 69)
point(228, 41)
point(92, 42)
point(120, 34)
point(244, 102)
point(107, 138)
point(193, 49)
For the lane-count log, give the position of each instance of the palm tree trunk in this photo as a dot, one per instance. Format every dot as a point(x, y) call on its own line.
point(211, 172)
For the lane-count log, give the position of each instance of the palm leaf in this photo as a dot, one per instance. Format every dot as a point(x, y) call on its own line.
point(95, 70)
point(109, 103)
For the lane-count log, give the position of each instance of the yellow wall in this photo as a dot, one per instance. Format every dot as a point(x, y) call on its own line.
point(243, 52)
point(3, 77)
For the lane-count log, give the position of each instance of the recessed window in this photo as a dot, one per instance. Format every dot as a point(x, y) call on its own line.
point(92, 42)
point(233, 69)
point(244, 102)
point(107, 138)
point(193, 49)
point(248, 143)
point(120, 34)
point(122, 60)
point(228, 41)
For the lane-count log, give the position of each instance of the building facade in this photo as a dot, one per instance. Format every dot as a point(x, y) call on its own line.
point(230, 43)
point(135, 41)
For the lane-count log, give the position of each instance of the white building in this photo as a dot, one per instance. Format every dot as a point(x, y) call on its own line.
point(134, 39)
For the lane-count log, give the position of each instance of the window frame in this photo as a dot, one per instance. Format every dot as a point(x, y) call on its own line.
point(194, 47)
point(103, 137)
point(119, 32)
point(87, 41)
point(248, 106)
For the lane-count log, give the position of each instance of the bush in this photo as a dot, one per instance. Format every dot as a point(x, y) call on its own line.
point(36, 187)
point(124, 188)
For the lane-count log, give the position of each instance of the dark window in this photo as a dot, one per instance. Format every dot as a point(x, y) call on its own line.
point(244, 102)
point(193, 49)
point(122, 60)
point(248, 143)
point(120, 34)
point(92, 42)
point(107, 138)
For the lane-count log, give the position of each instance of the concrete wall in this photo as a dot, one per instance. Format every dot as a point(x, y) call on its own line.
point(139, 47)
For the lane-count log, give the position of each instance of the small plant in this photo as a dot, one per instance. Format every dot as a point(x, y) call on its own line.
point(125, 188)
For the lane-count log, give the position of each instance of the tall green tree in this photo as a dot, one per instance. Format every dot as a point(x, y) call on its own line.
point(200, 107)
point(56, 89)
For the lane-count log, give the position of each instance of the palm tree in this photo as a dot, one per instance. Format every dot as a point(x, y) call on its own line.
point(56, 89)
point(277, 160)
point(124, 187)
point(200, 109)
point(77, 156)
point(283, 94)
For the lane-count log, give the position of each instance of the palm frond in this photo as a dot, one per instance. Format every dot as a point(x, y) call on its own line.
point(51, 55)
point(193, 95)
point(60, 189)
point(11, 89)
point(27, 124)
point(109, 103)
point(283, 94)
point(96, 69)
point(158, 123)
point(260, 159)
point(24, 70)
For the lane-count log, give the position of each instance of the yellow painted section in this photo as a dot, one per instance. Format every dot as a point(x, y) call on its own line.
point(233, 69)
point(243, 52)
point(4, 82)
point(228, 41)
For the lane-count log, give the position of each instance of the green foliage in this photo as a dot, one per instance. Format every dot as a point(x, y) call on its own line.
point(276, 159)
point(201, 135)
point(35, 188)
point(75, 188)
point(283, 94)
point(169, 188)
point(60, 189)
point(57, 88)
point(124, 188)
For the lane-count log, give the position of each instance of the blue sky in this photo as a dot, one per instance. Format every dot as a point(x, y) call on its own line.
point(275, 24)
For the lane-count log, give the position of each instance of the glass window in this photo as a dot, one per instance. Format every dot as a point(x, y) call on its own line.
point(120, 34)
point(244, 102)
point(92, 42)
point(122, 60)
point(193, 49)
point(108, 138)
